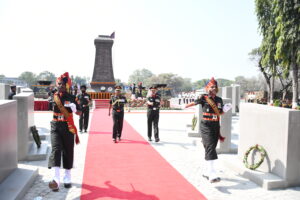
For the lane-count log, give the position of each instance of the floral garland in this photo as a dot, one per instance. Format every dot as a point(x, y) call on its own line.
point(262, 152)
point(194, 122)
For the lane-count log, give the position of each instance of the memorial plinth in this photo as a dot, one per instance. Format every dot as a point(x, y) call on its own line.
point(277, 130)
point(8, 138)
point(103, 76)
point(4, 91)
point(25, 120)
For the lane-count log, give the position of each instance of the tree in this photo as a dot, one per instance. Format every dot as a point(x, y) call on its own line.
point(224, 82)
point(266, 53)
point(28, 77)
point(140, 75)
point(173, 81)
point(200, 83)
point(287, 14)
point(221, 83)
point(187, 85)
point(279, 22)
point(46, 76)
point(78, 80)
point(256, 56)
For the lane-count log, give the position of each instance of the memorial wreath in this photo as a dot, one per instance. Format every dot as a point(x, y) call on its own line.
point(262, 152)
point(194, 122)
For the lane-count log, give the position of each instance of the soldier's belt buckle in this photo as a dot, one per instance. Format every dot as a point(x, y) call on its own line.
point(214, 116)
point(60, 117)
point(118, 110)
point(154, 108)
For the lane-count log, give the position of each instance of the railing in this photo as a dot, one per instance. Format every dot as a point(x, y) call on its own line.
point(100, 95)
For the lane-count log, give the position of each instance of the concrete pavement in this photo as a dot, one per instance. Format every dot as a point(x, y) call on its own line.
point(184, 153)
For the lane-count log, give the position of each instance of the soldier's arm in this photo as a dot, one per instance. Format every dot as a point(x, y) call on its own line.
point(196, 102)
point(148, 102)
point(110, 106)
point(90, 101)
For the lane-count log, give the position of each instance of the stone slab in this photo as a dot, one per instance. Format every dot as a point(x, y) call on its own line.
point(16, 185)
point(266, 180)
point(35, 153)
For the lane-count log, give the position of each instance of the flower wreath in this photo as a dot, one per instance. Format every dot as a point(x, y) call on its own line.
point(194, 122)
point(262, 152)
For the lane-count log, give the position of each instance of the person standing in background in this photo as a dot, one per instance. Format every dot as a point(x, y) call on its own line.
point(84, 100)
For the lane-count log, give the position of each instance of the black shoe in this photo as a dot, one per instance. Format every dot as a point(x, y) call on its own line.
point(53, 186)
point(80, 131)
point(115, 140)
point(119, 139)
point(85, 131)
point(149, 139)
point(215, 180)
point(157, 139)
point(68, 185)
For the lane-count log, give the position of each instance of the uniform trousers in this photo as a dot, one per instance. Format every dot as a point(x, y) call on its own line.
point(118, 118)
point(152, 119)
point(210, 135)
point(84, 118)
point(62, 141)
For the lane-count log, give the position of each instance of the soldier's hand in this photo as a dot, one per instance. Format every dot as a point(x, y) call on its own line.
point(78, 112)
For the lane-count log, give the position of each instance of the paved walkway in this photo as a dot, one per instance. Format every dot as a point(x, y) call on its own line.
point(185, 154)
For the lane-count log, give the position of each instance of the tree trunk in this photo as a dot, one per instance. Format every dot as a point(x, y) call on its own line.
point(295, 84)
point(284, 93)
point(272, 83)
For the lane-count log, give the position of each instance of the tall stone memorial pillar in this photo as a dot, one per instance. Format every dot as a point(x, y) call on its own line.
point(103, 77)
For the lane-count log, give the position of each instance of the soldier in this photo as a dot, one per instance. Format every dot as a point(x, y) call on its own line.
point(133, 91)
point(63, 131)
point(153, 102)
point(139, 92)
point(117, 104)
point(84, 100)
point(13, 89)
point(75, 90)
point(212, 106)
point(50, 97)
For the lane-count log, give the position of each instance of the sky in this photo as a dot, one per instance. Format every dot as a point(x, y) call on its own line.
point(191, 38)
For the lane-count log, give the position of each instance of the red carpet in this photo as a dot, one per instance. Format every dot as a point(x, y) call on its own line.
point(130, 169)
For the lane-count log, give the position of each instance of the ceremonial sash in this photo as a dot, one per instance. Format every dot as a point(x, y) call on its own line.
point(69, 117)
point(213, 106)
point(216, 110)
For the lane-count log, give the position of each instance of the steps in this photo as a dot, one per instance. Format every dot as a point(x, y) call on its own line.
point(101, 103)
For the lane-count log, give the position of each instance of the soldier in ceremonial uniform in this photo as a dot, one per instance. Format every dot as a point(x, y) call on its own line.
point(63, 132)
point(133, 91)
point(139, 92)
point(212, 106)
point(84, 100)
point(117, 102)
point(13, 89)
point(153, 102)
